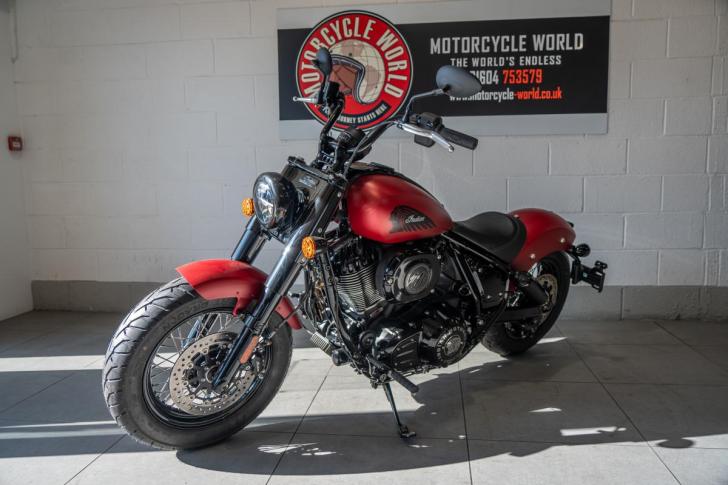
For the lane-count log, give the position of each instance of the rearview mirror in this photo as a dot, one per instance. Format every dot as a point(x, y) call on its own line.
point(323, 61)
point(457, 82)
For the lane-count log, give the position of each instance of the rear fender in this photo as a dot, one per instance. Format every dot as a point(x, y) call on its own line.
point(224, 278)
point(546, 233)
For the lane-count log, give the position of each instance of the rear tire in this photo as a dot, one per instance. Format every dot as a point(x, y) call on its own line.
point(135, 341)
point(500, 339)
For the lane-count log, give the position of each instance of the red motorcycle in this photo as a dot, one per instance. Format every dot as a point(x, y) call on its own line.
point(393, 287)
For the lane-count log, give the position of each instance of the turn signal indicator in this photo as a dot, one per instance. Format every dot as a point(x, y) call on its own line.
point(247, 207)
point(308, 247)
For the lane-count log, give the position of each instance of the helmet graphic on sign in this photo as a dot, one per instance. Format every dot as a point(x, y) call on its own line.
point(359, 68)
point(371, 63)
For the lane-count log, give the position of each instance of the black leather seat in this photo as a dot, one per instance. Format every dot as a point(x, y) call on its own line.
point(499, 233)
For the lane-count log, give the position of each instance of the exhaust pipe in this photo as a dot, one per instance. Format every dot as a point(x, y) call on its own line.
point(530, 287)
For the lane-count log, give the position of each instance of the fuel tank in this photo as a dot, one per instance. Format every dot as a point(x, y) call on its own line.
point(391, 209)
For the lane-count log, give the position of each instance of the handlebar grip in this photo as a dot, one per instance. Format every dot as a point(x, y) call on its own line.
point(465, 141)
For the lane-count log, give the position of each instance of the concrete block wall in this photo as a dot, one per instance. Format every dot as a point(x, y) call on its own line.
point(15, 295)
point(146, 123)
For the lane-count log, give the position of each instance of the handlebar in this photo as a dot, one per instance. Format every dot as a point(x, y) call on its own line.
point(432, 135)
point(458, 138)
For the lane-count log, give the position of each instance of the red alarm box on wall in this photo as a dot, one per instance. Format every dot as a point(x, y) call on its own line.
point(15, 143)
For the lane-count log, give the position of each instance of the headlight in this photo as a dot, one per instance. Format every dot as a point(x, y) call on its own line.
point(274, 198)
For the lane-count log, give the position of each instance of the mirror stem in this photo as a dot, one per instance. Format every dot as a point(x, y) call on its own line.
point(408, 109)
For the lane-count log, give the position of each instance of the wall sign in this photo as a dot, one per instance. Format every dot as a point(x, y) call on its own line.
point(541, 75)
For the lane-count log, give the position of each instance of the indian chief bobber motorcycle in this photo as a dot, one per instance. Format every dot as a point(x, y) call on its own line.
point(392, 286)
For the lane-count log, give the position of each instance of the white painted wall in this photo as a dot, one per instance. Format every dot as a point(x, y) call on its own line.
point(15, 265)
point(147, 121)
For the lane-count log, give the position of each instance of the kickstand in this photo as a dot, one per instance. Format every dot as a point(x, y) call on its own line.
point(404, 431)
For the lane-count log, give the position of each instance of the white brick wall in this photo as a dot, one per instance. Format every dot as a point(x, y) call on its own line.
point(146, 123)
point(14, 253)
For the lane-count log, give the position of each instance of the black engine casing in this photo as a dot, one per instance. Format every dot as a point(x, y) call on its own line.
point(405, 275)
point(435, 339)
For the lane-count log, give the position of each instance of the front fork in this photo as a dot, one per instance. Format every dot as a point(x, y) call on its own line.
point(283, 275)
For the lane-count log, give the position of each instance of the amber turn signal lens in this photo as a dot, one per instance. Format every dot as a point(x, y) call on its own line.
point(248, 208)
point(308, 247)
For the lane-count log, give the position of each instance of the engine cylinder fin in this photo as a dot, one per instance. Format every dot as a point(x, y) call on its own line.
point(358, 289)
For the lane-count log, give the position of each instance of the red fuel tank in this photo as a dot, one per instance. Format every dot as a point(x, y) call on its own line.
point(390, 210)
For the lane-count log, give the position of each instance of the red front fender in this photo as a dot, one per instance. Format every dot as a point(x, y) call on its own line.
point(225, 278)
point(546, 233)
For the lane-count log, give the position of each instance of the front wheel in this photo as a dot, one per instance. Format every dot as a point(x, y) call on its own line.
point(162, 358)
point(511, 338)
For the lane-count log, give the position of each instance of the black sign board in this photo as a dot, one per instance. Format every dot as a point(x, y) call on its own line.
point(531, 66)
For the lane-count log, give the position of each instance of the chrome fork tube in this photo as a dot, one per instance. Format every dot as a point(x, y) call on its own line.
point(250, 242)
point(281, 278)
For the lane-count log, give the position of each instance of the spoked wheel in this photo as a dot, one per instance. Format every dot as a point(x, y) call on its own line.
point(161, 362)
point(180, 372)
point(510, 338)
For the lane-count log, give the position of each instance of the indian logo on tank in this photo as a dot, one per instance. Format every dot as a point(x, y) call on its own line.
point(405, 219)
point(372, 64)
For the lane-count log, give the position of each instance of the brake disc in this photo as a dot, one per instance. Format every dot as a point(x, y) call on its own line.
point(190, 382)
point(551, 286)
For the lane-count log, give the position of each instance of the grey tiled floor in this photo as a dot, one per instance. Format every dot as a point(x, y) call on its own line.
point(595, 402)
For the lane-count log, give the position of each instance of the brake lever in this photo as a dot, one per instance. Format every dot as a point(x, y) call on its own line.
point(432, 135)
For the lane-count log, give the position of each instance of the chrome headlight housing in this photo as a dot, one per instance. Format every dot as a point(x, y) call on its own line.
point(275, 200)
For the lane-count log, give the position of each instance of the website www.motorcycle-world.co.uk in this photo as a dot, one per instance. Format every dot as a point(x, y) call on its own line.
point(520, 95)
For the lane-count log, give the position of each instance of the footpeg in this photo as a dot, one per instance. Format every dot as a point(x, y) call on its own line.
point(321, 342)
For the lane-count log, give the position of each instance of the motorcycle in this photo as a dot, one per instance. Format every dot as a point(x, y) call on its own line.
point(392, 286)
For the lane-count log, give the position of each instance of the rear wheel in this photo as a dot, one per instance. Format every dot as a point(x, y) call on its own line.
point(160, 363)
point(511, 338)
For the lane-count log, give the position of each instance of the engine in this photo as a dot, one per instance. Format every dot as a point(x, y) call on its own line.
point(378, 290)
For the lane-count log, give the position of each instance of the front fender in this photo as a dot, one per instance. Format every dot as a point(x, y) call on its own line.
point(225, 278)
point(546, 233)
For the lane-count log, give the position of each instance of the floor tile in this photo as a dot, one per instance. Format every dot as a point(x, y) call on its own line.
point(62, 343)
point(21, 385)
point(348, 381)
point(284, 413)
point(435, 412)
point(676, 416)
point(316, 459)
point(43, 454)
point(16, 337)
point(659, 364)
point(77, 398)
point(52, 363)
point(698, 333)
point(716, 354)
point(305, 374)
point(615, 332)
point(246, 458)
point(695, 466)
point(47, 320)
point(533, 463)
point(556, 412)
point(554, 361)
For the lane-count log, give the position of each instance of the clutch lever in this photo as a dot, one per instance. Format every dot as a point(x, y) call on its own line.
point(432, 135)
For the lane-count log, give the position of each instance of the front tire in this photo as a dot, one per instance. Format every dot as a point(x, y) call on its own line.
point(134, 345)
point(508, 338)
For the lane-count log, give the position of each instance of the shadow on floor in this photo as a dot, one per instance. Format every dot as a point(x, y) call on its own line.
point(73, 420)
point(336, 451)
